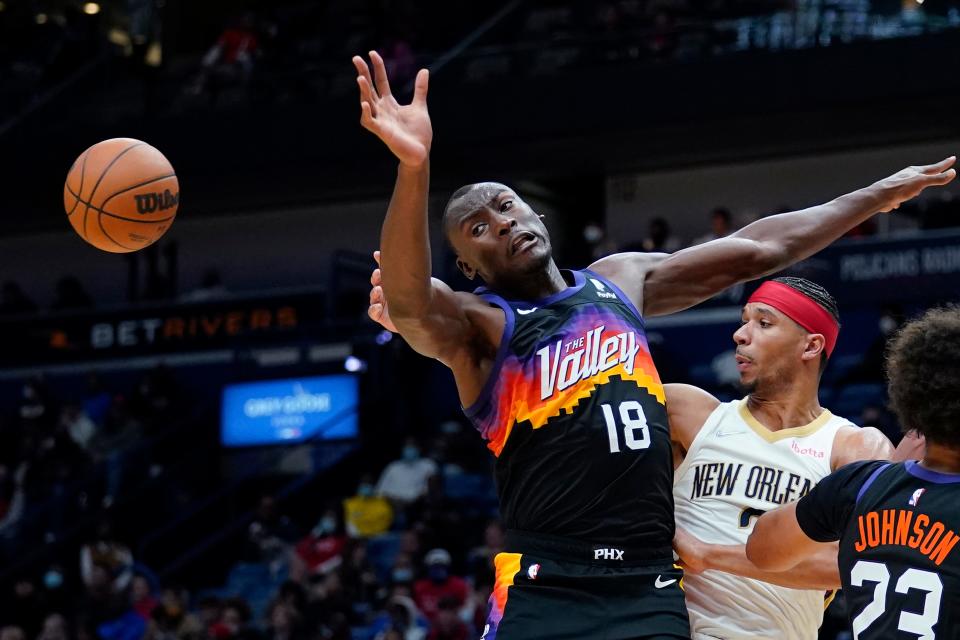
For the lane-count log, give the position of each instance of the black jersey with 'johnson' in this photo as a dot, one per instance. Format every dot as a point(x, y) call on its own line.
point(898, 526)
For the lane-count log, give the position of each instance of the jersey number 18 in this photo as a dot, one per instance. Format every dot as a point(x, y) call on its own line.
point(636, 434)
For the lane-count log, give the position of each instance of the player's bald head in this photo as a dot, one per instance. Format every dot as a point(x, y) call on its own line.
point(468, 199)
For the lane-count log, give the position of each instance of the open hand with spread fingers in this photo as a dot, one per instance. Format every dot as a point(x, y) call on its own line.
point(907, 184)
point(405, 129)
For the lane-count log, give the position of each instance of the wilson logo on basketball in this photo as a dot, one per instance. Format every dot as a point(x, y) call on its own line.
point(150, 202)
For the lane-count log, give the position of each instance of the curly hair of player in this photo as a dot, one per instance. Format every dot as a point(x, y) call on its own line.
point(923, 369)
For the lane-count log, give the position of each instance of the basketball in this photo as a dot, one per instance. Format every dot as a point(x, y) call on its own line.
point(121, 195)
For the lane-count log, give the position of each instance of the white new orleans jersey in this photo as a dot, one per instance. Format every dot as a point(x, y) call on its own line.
point(735, 470)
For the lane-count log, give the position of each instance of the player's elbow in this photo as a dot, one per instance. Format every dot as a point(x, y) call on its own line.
point(408, 309)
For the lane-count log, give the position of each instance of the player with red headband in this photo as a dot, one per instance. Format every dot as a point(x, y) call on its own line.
point(738, 459)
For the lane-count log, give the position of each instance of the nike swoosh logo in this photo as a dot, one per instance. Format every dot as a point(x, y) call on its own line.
point(660, 584)
point(524, 312)
point(724, 434)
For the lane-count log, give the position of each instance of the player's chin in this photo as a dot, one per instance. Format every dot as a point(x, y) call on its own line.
point(748, 380)
point(534, 258)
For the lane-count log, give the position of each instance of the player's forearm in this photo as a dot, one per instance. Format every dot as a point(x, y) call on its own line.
point(818, 571)
point(790, 237)
point(405, 244)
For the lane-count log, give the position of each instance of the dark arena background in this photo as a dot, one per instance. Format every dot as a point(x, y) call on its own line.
point(208, 438)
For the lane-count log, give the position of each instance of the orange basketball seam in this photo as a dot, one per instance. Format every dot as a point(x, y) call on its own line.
point(100, 179)
point(83, 170)
point(108, 236)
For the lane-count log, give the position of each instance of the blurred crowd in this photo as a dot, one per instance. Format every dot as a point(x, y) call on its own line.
point(39, 50)
point(61, 459)
point(295, 50)
point(407, 554)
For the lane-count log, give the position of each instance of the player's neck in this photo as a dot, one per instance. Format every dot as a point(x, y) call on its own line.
point(785, 409)
point(941, 458)
point(534, 286)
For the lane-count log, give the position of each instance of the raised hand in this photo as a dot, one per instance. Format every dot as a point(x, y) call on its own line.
point(907, 184)
point(378, 304)
point(405, 129)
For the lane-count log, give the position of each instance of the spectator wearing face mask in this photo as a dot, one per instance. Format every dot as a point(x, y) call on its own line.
point(365, 514)
point(404, 481)
point(403, 570)
point(439, 585)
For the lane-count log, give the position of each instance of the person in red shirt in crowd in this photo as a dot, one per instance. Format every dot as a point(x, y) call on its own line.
point(447, 626)
point(142, 600)
point(320, 550)
point(438, 585)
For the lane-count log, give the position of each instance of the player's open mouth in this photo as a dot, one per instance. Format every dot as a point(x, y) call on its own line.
point(522, 242)
point(743, 362)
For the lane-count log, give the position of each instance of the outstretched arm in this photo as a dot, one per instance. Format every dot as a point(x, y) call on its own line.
point(405, 237)
point(431, 317)
point(817, 570)
point(661, 284)
point(785, 537)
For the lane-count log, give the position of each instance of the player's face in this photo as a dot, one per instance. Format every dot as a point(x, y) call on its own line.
point(500, 239)
point(769, 348)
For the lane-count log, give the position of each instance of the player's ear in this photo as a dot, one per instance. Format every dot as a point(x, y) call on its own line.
point(466, 269)
point(814, 346)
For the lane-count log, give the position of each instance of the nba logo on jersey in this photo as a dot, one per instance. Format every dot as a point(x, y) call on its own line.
point(533, 571)
point(602, 290)
point(915, 498)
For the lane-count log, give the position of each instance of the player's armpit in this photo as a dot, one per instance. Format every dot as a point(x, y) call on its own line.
point(661, 283)
point(453, 326)
point(777, 542)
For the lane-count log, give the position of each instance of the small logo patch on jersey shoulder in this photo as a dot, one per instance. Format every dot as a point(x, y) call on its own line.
point(525, 312)
point(533, 571)
point(602, 290)
point(915, 498)
point(723, 434)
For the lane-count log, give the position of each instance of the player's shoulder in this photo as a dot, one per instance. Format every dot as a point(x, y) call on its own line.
point(629, 272)
point(628, 264)
point(852, 443)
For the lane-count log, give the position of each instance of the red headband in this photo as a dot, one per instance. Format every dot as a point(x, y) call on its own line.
point(799, 308)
